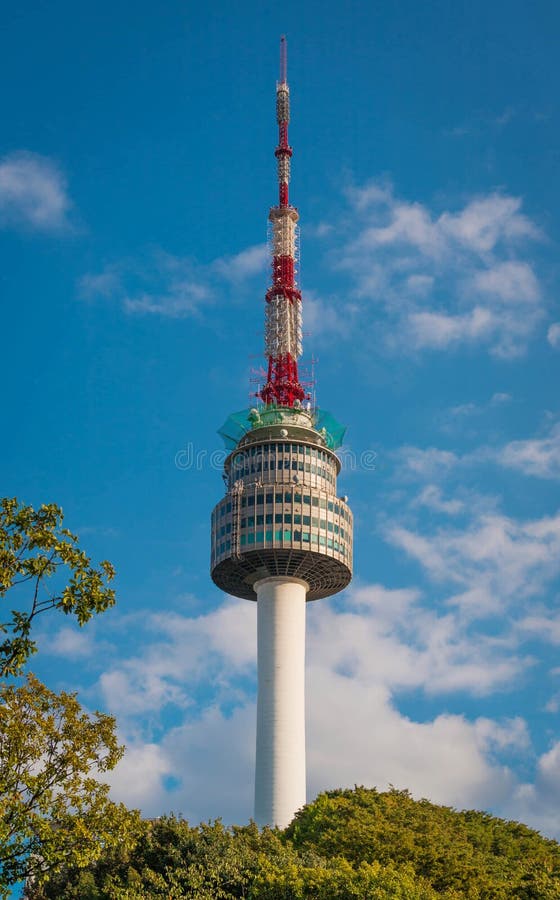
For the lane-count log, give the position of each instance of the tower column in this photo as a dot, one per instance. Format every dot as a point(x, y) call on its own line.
point(280, 762)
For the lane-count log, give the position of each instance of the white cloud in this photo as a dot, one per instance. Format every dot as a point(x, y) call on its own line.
point(182, 298)
point(438, 330)
point(504, 559)
point(538, 804)
point(447, 279)
point(488, 221)
point(499, 398)
point(322, 318)
point(553, 335)
point(410, 223)
point(482, 224)
point(104, 284)
point(248, 262)
point(510, 281)
point(138, 779)
point(215, 756)
point(419, 463)
point(385, 641)
point(181, 651)
point(71, 644)
point(171, 286)
point(356, 736)
point(359, 659)
point(420, 285)
point(431, 497)
point(539, 457)
point(544, 626)
point(394, 640)
point(33, 193)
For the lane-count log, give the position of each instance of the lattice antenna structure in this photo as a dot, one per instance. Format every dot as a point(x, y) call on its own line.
point(283, 319)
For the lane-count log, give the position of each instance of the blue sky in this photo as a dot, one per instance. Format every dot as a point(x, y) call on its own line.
point(136, 172)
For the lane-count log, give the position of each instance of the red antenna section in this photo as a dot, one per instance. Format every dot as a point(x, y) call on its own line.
point(283, 326)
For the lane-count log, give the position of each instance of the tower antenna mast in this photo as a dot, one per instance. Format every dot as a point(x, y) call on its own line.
point(283, 322)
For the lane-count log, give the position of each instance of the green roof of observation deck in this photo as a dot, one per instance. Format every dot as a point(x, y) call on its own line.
point(241, 423)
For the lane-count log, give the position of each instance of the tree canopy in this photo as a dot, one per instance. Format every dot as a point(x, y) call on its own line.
point(53, 810)
point(347, 844)
point(43, 567)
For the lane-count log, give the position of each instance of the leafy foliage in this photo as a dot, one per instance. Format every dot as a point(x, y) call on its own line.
point(347, 844)
point(34, 547)
point(53, 811)
point(471, 853)
point(210, 862)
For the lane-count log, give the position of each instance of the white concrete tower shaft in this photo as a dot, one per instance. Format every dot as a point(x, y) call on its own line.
point(280, 758)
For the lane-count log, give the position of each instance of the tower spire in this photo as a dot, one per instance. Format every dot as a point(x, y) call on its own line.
point(283, 322)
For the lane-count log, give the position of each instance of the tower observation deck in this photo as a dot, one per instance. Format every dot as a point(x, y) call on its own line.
point(281, 536)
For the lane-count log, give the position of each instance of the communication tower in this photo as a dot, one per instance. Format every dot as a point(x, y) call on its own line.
point(281, 536)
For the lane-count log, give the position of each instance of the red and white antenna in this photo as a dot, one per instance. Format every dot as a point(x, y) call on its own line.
point(283, 324)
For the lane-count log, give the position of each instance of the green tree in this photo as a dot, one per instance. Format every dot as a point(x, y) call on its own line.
point(471, 853)
point(43, 567)
point(53, 810)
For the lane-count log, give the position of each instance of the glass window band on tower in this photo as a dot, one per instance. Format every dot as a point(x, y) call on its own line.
point(281, 515)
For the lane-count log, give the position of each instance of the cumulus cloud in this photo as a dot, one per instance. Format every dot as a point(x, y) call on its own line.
point(438, 330)
point(385, 641)
point(539, 457)
point(553, 335)
point(512, 282)
point(70, 643)
point(182, 651)
point(538, 803)
point(488, 221)
point(33, 193)
point(424, 463)
point(357, 736)
point(326, 318)
point(248, 262)
point(139, 778)
point(169, 286)
point(468, 420)
point(544, 626)
point(443, 280)
point(431, 497)
point(182, 298)
point(505, 560)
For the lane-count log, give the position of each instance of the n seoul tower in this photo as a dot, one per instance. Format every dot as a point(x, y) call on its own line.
point(281, 536)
